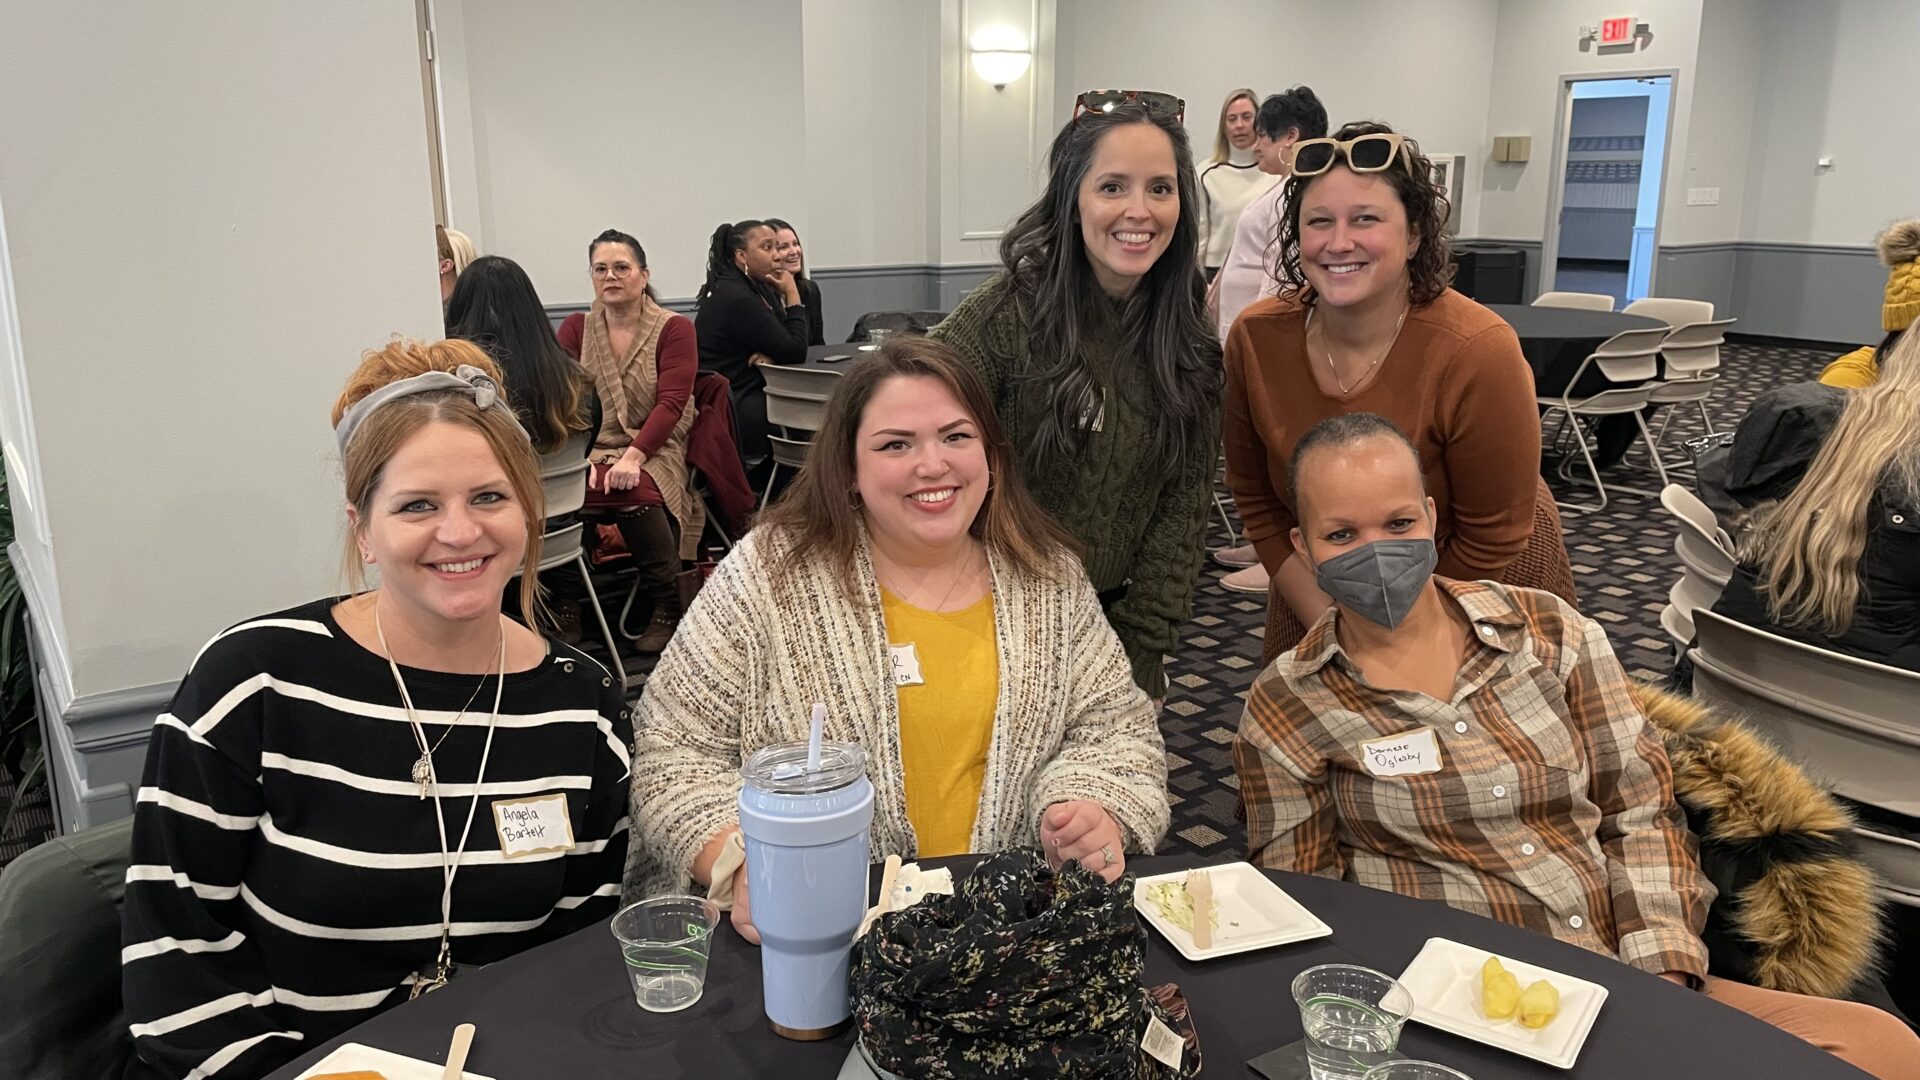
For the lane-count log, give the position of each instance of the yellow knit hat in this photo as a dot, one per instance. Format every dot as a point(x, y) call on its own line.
point(1900, 249)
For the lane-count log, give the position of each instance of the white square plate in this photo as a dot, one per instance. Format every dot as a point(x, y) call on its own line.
point(1445, 983)
point(1254, 913)
point(354, 1057)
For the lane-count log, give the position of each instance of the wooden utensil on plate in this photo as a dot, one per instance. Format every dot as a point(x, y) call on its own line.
point(1200, 891)
point(457, 1053)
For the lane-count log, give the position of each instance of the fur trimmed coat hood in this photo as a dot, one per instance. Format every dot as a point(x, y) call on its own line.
point(1797, 909)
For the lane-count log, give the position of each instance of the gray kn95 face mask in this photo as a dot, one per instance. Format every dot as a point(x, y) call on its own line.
point(1379, 581)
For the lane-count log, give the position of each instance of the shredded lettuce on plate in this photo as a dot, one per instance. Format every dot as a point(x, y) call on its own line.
point(1175, 906)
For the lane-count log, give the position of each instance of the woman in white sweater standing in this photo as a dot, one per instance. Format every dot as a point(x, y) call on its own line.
point(908, 581)
point(1231, 180)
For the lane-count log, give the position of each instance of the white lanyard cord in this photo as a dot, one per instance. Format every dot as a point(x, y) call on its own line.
point(449, 863)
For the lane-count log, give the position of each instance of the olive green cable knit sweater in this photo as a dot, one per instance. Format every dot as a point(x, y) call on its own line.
point(1138, 522)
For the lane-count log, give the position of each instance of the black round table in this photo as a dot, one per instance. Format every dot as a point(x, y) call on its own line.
point(1555, 341)
point(832, 356)
point(567, 1010)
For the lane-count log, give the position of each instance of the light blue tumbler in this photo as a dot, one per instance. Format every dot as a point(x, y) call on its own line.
point(807, 857)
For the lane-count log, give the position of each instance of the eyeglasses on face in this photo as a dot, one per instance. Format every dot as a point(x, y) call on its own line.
point(613, 270)
point(1108, 100)
point(1363, 154)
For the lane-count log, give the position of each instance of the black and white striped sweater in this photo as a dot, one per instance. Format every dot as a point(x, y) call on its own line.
point(286, 876)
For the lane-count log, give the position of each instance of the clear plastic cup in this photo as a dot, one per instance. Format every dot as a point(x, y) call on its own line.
point(1415, 1070)
point(1352, 1016)
point(875, 338)
point(665, 940)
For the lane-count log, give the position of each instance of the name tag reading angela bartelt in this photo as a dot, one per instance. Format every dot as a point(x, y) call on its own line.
point(533, 826)
point(1410, 753)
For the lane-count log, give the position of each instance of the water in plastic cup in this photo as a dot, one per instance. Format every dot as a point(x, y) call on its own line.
point(665, 941)
point(1352, 1016)
point(1415, 1070)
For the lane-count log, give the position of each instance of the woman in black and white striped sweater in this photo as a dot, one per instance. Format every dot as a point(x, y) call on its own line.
point(349, 800)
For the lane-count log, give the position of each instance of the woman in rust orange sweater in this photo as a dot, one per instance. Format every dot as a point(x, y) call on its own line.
point(1374, 328)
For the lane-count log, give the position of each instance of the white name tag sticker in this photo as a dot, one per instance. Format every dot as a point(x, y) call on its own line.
point(1410, 753)
point(906, 665)
point(533, 826)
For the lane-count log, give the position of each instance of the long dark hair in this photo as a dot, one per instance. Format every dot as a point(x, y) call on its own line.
point(728, 239)
point(495, 306)
point(1163, 324)
point(814, 516)
point(1430, 269)
point(615, 236)
point(776, 225)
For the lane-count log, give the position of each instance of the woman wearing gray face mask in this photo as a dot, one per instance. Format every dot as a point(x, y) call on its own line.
point(1479, 744)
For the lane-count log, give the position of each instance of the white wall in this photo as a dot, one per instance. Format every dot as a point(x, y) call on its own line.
point(1536, 43)
point(1726, 78)
point(1838, 80)
point(1422, 67)
point(210, 211)
point(659, 118)
point(869, 86)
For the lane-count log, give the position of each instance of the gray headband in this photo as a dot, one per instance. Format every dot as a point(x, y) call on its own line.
point(466, 377)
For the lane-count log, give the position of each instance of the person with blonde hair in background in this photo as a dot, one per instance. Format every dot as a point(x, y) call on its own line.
point(1252, 268)
point(308, 849)
point(1231, 179)
point(456, 252)
point(1900, 251)
point(1835, 562)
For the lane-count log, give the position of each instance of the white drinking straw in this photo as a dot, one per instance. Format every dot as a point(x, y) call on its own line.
point(818, 731)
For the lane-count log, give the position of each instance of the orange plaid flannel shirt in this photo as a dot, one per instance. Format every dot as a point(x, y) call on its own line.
point(1553, 807)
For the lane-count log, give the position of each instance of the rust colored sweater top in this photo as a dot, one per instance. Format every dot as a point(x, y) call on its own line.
point(1455, 382)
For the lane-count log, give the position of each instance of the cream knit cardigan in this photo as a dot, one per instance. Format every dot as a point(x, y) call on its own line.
point(751, 657)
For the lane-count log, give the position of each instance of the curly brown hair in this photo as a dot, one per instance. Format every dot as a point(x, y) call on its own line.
point(1429, 268)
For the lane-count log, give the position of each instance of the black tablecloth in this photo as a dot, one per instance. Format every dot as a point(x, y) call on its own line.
point(567, 1009)
point(1555, 341)
point(817, 355)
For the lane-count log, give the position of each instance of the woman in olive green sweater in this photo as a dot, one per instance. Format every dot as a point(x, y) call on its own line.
point(1105, 368)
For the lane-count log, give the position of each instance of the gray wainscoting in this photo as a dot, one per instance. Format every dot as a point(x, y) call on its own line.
point(848, 292)
point(96, 745)
point(1701, 272)
point(1803, 292)
point(1813, 292)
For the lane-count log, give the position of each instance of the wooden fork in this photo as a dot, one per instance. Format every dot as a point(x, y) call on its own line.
point(1200, 891)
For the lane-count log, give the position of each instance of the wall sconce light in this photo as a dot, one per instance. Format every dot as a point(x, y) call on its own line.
point(1000, 55)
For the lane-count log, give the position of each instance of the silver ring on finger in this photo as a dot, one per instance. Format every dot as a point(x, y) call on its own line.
point(1106, 852)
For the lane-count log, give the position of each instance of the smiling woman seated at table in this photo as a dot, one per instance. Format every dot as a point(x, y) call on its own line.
point(1479, 744)
point(307, 844)
point(908, 581)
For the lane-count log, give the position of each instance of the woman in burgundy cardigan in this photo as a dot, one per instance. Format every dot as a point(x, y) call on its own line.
point(643, 359)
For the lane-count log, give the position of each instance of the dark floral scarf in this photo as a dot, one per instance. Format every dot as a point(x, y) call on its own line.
point(1023, 972)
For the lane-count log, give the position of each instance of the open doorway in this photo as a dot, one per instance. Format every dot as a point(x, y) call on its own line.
point(1612, 156)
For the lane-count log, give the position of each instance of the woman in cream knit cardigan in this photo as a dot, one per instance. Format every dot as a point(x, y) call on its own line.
point(907, 581)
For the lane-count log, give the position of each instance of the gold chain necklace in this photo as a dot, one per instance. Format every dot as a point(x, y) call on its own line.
point(1326, 346)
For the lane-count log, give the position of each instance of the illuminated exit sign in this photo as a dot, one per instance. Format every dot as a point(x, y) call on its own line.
point(1617, 31)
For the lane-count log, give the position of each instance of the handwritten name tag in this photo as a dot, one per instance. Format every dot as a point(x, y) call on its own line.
point(533, 826)
point(1410, 753)
point(906, 665)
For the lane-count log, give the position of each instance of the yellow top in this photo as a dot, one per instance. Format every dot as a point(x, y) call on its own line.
point(1854, 371)
point(947, 674)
